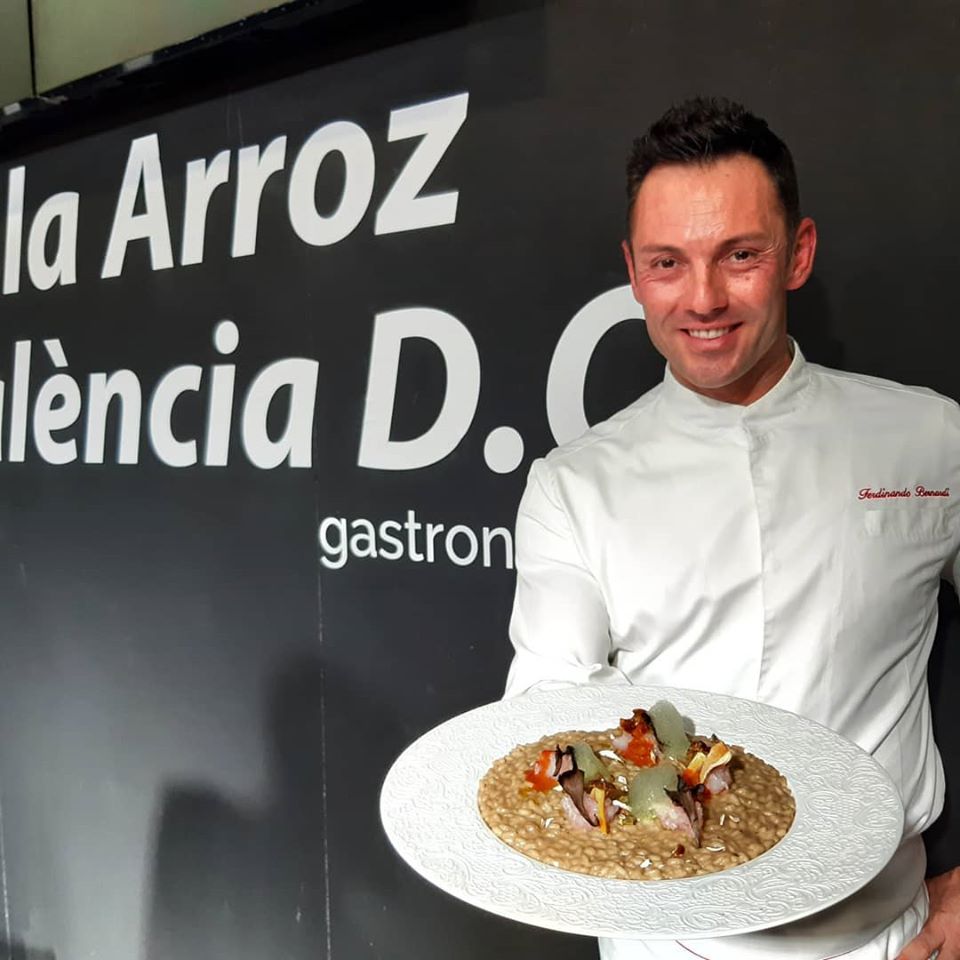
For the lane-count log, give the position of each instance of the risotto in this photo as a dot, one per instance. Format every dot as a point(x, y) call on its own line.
point(738, 824)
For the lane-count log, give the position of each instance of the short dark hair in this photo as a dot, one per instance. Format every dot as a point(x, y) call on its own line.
point(704, 129)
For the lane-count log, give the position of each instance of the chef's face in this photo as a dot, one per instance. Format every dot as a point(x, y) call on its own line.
point(710, 260)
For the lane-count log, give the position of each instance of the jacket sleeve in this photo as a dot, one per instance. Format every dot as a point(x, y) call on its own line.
point(559, 627)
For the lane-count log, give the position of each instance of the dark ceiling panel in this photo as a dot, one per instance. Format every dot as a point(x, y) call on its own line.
point(15, 81)
point(74, 40)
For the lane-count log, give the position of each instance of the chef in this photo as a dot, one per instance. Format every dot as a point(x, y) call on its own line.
point(756, 524)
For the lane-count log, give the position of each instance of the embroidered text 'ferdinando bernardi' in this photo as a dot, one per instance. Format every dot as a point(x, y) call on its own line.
point(868, 493)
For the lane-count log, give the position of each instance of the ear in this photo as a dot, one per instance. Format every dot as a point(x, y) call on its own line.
point(631, 271)
point(804, 250)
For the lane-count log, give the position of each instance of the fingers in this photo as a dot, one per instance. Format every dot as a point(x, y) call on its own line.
point(925, 945)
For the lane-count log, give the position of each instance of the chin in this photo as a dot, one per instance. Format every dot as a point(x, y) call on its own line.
point(710, 379)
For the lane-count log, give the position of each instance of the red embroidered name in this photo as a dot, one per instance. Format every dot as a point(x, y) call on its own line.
point(868, 493)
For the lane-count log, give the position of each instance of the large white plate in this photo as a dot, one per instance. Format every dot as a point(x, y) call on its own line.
point(848, 823)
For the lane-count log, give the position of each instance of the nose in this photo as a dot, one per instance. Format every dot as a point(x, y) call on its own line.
point(707, 293)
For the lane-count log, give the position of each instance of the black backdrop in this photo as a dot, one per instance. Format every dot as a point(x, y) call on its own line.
point(196, 709)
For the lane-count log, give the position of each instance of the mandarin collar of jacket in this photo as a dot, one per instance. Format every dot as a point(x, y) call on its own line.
point(696, 412)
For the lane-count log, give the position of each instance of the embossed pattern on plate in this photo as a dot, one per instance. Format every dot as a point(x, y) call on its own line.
point(848, 823)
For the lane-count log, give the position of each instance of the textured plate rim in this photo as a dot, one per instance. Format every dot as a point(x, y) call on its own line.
point(541, 713)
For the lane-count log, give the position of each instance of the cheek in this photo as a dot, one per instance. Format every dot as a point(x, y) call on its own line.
point(756, 289)
point(657, 299)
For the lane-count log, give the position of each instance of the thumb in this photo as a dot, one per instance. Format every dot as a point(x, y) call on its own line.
point(922, 946)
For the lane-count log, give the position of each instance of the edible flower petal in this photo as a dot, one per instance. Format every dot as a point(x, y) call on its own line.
point(573, 787)
point(600, 799)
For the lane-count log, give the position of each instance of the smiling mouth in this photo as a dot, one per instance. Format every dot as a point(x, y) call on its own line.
point(712, 333)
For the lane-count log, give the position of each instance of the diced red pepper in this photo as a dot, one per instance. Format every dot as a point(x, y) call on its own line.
point(637, 724)
point(642, 750)
point(538, 778)
point(690, 777)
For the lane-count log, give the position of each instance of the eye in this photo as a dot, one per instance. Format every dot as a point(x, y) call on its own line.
point(742, 256)
point(665, 263)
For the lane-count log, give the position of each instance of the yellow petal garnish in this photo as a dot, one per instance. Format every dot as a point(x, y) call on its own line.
point(719, 755)
point(600, 798)
point(696, 765)
point(699, 767)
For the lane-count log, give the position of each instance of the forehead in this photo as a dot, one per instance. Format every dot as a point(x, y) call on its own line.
point(679, 203)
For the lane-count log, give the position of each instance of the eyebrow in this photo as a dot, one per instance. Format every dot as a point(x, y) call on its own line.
point(736, 241)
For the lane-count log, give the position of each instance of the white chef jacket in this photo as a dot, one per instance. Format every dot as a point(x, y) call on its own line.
point(789, 551)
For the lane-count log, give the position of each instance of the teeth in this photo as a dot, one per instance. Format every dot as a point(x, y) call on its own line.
point(709, 334)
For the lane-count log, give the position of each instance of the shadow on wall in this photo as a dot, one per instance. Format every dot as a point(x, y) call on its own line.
point(15, 950)
point(810, 321)
point(235, 884)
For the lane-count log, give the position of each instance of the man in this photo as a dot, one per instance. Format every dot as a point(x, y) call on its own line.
point(755, 525)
